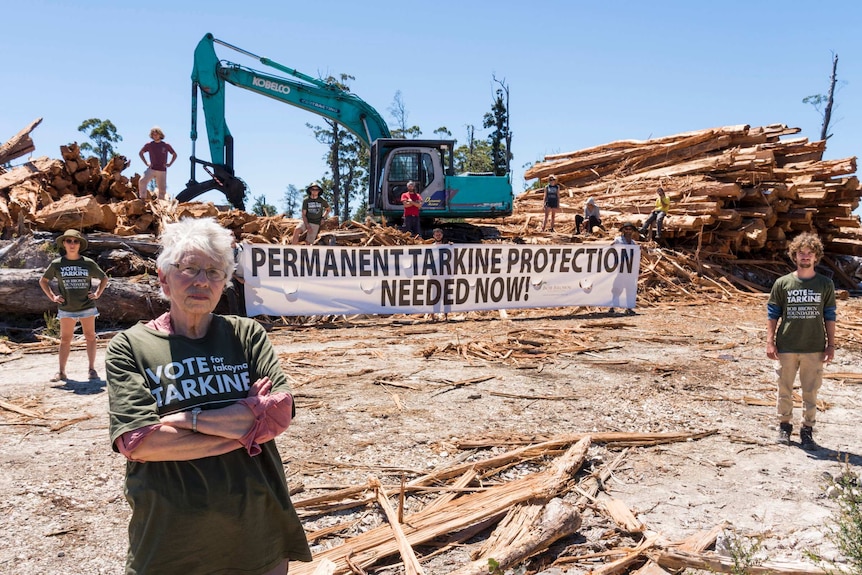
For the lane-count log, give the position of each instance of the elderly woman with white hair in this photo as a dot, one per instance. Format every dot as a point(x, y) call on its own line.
point(196, 400)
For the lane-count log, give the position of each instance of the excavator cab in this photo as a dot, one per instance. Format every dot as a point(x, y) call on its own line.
point(398, 162)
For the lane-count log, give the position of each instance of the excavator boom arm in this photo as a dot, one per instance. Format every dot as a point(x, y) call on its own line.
point(316, 96)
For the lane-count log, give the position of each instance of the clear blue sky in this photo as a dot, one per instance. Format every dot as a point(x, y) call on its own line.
point(580, 73)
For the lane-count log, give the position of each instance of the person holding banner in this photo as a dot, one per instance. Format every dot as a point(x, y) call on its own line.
point(196, 401)
point(626, 237)
point(627, 231)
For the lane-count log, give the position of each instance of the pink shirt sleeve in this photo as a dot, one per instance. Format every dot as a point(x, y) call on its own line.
point(273, 414)
point(129, 441)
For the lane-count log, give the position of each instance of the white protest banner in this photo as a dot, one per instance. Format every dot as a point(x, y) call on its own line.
point(317, 280)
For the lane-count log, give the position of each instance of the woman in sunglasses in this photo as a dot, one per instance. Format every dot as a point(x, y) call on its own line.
point(77, 298)
point(196, 402)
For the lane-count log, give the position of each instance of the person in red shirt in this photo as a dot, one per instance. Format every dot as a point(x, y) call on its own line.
point(158, 164)
point(412, 202)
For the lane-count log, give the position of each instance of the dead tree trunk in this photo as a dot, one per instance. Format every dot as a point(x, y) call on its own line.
point(827, 112)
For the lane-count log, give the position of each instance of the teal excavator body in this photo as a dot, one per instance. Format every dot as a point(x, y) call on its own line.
point(393, 162)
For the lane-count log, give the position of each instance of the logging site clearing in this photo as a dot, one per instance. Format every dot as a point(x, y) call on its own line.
point(513, 442)
point(554, 441)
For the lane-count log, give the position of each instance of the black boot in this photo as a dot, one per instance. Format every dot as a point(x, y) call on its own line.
point(784, 431)
point(806, 438)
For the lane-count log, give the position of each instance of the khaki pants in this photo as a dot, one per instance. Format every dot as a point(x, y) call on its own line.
point(310, 231)
point(161, 178)
point(810, 368)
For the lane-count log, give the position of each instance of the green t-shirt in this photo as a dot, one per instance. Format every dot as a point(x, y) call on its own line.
point(226, 514)
point(314, 209)
point(74, 281)
point(802, 327)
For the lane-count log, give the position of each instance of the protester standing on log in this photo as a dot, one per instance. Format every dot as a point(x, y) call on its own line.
point(551, 202)
point(77, 299)
point(804, 303)
point(626, 238)
point(591, 218)
point(158, 164)
point(662, 205)
point(412, 203)
point(314, 210)
point(196, 401)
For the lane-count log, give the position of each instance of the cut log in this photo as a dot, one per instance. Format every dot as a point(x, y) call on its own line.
point(70, 212)
point(123, 301)
point(32, 169)
point(529, 529)
point(20, 144)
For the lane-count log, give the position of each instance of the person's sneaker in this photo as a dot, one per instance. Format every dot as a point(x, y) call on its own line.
point(784, 431)
point(806, 438)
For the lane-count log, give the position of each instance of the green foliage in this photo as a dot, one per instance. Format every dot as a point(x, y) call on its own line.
point(845, 526)
point(815, 100)
point(501, 136)
point(292, 201)
point(494, 568)
point(362, 211)
point(347, 158)
point(474, 156)
point(846, 531)
point(743, 552)
point(263, 209)
point(104, 135)
point(52, 324)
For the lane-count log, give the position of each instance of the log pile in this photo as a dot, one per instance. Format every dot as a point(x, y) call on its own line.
point(733, 189)
point(738, 194)
point(76, 192)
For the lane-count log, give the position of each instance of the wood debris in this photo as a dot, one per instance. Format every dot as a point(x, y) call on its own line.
point(525, 517)
point(738, 193)
point(733, 190)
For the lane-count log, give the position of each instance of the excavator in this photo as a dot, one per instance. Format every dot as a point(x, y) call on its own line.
point(393, 162)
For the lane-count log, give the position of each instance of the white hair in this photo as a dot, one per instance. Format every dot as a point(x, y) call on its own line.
point(200, 235)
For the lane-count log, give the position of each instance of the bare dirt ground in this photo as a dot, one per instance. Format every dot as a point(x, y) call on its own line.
point(376, 395)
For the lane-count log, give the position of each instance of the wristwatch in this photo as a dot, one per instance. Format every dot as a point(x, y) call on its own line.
point(195, 413)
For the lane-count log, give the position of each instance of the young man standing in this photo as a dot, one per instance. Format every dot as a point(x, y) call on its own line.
point(412, 203)
point(804, 339)
point(314, 210)
point(157, 167)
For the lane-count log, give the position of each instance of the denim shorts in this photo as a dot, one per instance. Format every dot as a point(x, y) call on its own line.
point(91, 312)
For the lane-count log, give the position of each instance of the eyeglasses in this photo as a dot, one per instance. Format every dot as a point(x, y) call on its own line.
point(71, 241)
point(191, 272)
